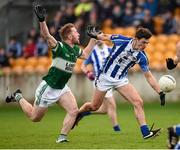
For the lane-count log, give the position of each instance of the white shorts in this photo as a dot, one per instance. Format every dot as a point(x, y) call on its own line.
point(105, 83)
point(45, 95)
point(109, 93)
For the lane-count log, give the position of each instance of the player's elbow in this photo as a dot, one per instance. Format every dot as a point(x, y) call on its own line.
point(45, 35)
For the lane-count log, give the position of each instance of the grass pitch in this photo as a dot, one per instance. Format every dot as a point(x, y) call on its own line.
point(93, 132)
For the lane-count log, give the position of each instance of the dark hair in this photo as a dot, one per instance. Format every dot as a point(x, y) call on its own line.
point(65, 30)
point(143, 33)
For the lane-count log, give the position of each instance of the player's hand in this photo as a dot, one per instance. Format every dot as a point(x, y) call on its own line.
point(162, 98)
point(170, 63)
point(40, 12)
point(93, 32)
point(90, 75)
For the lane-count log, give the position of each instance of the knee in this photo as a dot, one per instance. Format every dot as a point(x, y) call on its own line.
point(111, 105)
point(73, 112)
point(138, 103)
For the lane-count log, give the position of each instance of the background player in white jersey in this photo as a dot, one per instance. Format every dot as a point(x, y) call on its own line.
point(96, 59)
point(125, 53)
point(53, 88)
point(174, 131)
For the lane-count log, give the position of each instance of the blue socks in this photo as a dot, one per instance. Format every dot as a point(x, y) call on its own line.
point(177, 130)
point(144, 130)
point(116, 128)
point(86, 113)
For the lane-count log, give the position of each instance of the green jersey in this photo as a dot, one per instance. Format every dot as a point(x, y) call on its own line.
point(63, 61)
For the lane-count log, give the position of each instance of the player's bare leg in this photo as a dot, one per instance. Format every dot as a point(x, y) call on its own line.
point(102, 109)
point(130, 94)
point(34, 113)
point(90, 106)
point(68, 102)
point(95, 103)
point(109, 106)
point(111, 111)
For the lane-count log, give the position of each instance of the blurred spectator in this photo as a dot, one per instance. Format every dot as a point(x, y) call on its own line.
point(163, 6)
point(4, 60)
point(148, 22)
point(33, 35)
point(117, 15)
point(69, 16)
point(128, 17)
point(140, 3)
point(54, 32)
point(169, 26)
point(93, 18)
point(41, 47)
point(105, 9)
point(14, 48)
point(138, 16)
point(79, 24)
point(177, 18)
point(29, 48)
point(57, 20)
point(83, 7)
point(152, 6)
point(55, 25)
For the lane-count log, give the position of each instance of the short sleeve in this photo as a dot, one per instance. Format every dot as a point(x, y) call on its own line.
point(143, 63)
point(59, 44)
point(79, 52)
point(119, 39)
point(88, 61)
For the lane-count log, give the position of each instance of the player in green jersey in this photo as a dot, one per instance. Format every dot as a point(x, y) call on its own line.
point(53, 88)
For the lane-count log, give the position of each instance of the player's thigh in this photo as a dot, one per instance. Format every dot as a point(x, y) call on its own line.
point(68, 102)
point(98, 97)
point(129, 93)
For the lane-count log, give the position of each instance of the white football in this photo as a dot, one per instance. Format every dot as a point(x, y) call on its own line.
point(167, 83)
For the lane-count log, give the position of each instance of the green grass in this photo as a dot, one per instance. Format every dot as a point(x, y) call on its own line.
point(93, 132)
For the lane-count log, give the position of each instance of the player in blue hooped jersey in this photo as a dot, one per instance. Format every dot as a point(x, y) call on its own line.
point(125, 53)
point(96, 60)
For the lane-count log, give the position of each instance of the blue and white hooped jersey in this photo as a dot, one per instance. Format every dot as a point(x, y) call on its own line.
point(98, 57)
point(122, 57)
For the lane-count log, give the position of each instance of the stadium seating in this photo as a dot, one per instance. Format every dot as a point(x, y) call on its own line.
point(160, 47)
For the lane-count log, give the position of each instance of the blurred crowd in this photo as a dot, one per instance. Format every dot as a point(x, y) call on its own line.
point(160, 16)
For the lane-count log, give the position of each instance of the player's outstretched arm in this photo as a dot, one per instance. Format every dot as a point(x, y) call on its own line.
point(84, 68)
point(88, 48)
point(40, 13)
point(93, 32)
point(154, 84)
